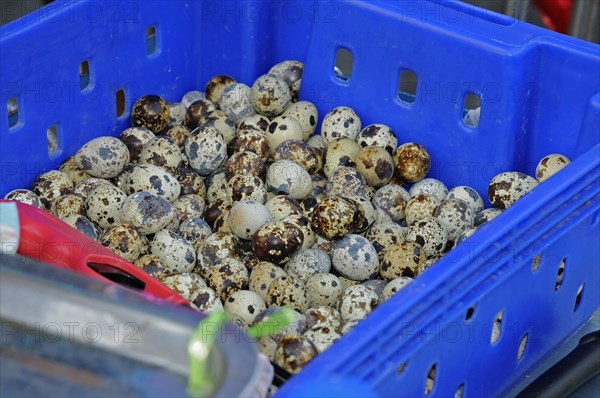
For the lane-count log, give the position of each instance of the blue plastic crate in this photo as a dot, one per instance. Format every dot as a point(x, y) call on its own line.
point(539, 94)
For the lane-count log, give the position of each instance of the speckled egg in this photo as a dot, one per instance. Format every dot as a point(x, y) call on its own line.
point(134, 139)
point(306, 263)
point(188, 206)
point(154, 179)
point(378, 135)
point(68, 204)
point(419, 207)
point(246, 217)
point(340, 122)
point(323, 337)
point(319, 182)
point(281, 129)
point(245, 163)
point(354, 257)
point(75, 173)
point(382, 215)
point(392, 199)
point(290, 72)
point(124, 240)
point(323, 244)
point(384, 234)
point(178, 133)
point(294, 352)
point(254, 122)
point(227, 277)
point(246, 187)
point(506, 188)
point(412, 162)
point(308, 204)
point(271, 95)
point(24, 196)
point(216, 85)
point(206, 150)
point(306, 114)
point(261, 277)
point(215, 210)
point(485, 216)
point(345, 181)
point(243, 306)
point(216, 186)
point(323, 290)
point(323, 316)
point(427, 264)
point(86, 186)
point(550, 165)
point(282, 206)
point(356, 302)
point(192, 96)
point(267, 345)
point(376, 165)
point(190, 182)
point(216, 248)
point(342, 152)
point(348, 326)
point(289, 178)
point(152, 112)
point(469, 195)
point(238, 102)
point(403, 259)
point(277, 242)
point(287, 291)
point(335, 217)
point(430, 234)
point(250, 140)
point(430, 187)
point(186, 284)
point(196, 111)
point(177, 253)
point(299, 152)
point(103, 205)
point(305, 226)
point(51, 185)
point(221, 121)
point(395, 285)
point(83, 225)
point(464, 235)
point(206, 299)
point(194, 230)
point(176, 113)
point(376, 285)
point(455, 215)
point(161, 151)
point(152, 265)
point(147, 212)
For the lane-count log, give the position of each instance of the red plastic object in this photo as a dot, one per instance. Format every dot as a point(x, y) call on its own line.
point(45, 238)
point(556, 14)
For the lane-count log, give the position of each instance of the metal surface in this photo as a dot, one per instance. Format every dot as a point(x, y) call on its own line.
point(53, 316)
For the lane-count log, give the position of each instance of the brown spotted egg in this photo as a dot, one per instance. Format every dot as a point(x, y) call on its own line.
point(277, 242)
point(147, 212)
point(282, 206)
point(194, 230)
point(196, 111)
point(134, 139)
point(177, 253)
point(176, 113)
point(161, 151)
point(271, 95)
point(238, 102)
point(550, 165)
point(376, 285)
point(188, 206)
point(85, 187)
point(246, 187)
point(376, 165)
point(103, 157)
point(290, 71)
point(354, 257)
point(246, 217)
point(418, 207)
point(356, 302)
point(303, 223)
point(103, 205)
point(152, 112)
point(308, 204)
point(215, 210)
point(345, 181)
point(412, 162)
point(392, 199)
point(384, 234)
point(243, 306)
point(395, 286)
point(152, 265)
point(124, 240)
point(68, 204)
point(323, 316)
point(340, 122)
point(262, 275)
point(323, 337)
point(335, 217)
point(378, 135)
point(186, 284)
point(430, 234)
point(342, 152)
point(403, 259)
point(307, 262)
point(216, 248)
point(216, 186)
point(287, 177)
point(83, 225)
point(281, 129)
point(430, 187)
point(190, 182)
point(485, 216)
point(227, 277)
point(299, 152)
point(206, 150)
point(75, 173)
point(287, 291)
point(245, 162)
point(254, 122)
point(221, 121)
point(455, 215)
point(251, 140)
point(367, 208)
point(307, 116)
point(506, 188)
point(216, 85)
point(51, 185)
point(323, 290)
point(294, 352)
point(206, 299)
point(154, 179)
point(24, 196)
point(178, 133)
point(469, 195)
point(319, 182)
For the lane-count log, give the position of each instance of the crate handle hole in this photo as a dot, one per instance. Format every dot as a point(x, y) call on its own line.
point(151, 40)
point(53, 142)
point(84, 75)
point(430, 380)
point(497, 327)
point(522, 346)
point(120, 102)
point(12, 108)
point(401, 368)
point(560, 274)
point(578, 297)
point(344, 62)
point(407, 86)
point(469, 313)
point(535, 263)
point(471, 110)
point(460, 391)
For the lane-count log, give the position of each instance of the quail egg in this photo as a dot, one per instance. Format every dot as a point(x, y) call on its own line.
point(307, 262)
point(281, 129)
point(342, 152)
point(299, 152)
point(287, 291)
point(152, 112)
point(412, 162)
point(455, 215)
point(75, 173)
point(392, 199)
point(271, 95)
point(227, 277)
point(384, 234)
point(83, 225)
point(430, 187)
point(250, 140)
point(206, 150)
point(305, 226)
point(356, 302)
point(376, 165)
point(319, 182)
point(418, 207)
point(403, 259)
point(177, 253)
point(192, 96)
point(376, 285)
point(147, 212)
point(154, 179)
point(340, 122)
point(176, 113)
point(290, 72)
point(323, 290)
point(134, 139)
point(216, 248)
point(277, 242)
point(216, 186)
point(152, 265)
point(348, 326)
point(190, 182)
point(430, 234)
point(246, 187)
point(378, 135)
point(216, 85)
point(24, 196)
point(185, 284)
point(246, 217)
point(161, 151)
point(206, 299)
point(124, 240)
point(323, 316)
point(506, 188)
point(354, 257)
point(345, 181)
point(189, 206)
point(287, 177)
point(484, 216)
point(335, 217)
point(86, 186)
point(282, 206)
point(243, 306)
point(550, 165)
point(261, 277)
point(196, 111)
point(103, 205)
point(215, 211)
point(221, 121)
point(103, 157)
point(469, 195)
point(306, 115)
point(322, 337)
point(245, 162)
point(51, 185)
point(294, 352)
point(237, 101)
point(254, 122)
point(194, 230)
point(464, 235)
point(395, 285)
point(308, 204)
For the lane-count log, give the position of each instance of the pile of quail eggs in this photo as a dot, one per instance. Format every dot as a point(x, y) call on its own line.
point(231, 199)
